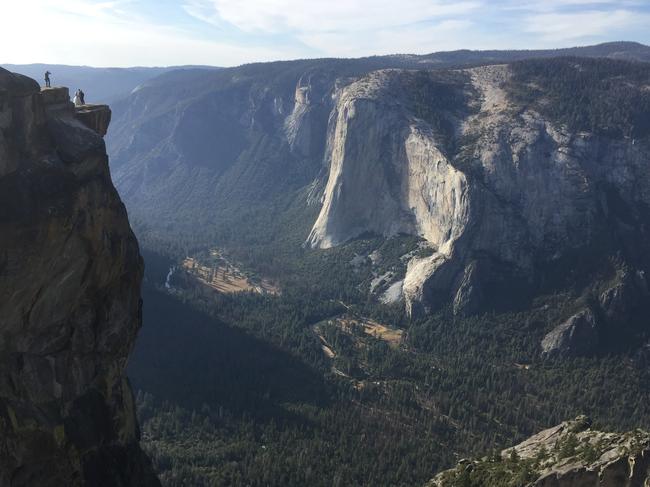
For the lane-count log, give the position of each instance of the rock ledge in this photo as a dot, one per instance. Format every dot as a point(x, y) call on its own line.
point(570, 454)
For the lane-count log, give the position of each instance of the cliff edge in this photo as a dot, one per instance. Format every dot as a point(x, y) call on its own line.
point(70, 308)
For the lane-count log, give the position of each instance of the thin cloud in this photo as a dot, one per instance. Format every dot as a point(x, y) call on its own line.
point(83, 32)
point(570, 26)
point(557, 5)
point(204, 11)
point(299, 16)
point(231, 32)
point(415, 39)
point(344, 29)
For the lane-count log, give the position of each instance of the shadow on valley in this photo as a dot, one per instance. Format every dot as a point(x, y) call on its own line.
point(187, 358)
point(237, 390)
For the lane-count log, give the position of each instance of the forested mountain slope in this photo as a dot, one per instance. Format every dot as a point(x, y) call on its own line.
point(511, 173)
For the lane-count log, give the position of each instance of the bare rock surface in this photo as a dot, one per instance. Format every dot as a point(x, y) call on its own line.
point(576, 336)
point(570, 454)
point(96, 117)
point(70, 273)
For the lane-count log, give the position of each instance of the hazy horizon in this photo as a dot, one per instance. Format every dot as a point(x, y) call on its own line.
point(148, 33)
point(41, 63)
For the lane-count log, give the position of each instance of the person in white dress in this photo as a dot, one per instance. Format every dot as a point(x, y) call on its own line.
point(77, 98)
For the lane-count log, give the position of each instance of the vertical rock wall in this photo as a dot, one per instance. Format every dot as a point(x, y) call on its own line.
point(70, 309)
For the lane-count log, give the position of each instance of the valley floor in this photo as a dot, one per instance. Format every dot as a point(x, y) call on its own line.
point(299, 388)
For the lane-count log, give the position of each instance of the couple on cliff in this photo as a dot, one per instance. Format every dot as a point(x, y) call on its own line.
point(79, 98)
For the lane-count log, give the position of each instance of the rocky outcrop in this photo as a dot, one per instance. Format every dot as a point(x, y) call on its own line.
point(57, 102)
point(96, 117)
point(576, 336)
point(568, 455)
point(70, 273)
point(619, 310)
point(618, 302)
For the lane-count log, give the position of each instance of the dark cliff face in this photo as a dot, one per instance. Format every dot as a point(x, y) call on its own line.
point(70, 273)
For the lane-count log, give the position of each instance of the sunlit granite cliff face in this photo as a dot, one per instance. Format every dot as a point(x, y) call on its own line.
point(510, 200)
point(70, 274)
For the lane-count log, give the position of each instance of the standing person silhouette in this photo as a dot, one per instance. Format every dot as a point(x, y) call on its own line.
point(47, 79)
point(82, 96)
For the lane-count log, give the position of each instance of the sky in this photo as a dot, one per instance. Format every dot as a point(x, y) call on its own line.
point(232, 32)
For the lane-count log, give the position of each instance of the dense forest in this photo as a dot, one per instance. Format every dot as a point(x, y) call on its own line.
point(603, 96)
point(236, 390)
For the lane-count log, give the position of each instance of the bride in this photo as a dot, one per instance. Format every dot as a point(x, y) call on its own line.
point(77, 99)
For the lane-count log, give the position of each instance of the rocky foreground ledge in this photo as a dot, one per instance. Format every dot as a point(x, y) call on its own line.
point(70, 307)
point(571, 454)
point(57, 102)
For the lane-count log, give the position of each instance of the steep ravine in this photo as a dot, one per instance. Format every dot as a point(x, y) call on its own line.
point(70, 306)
